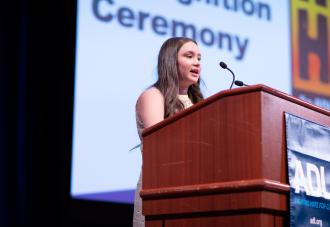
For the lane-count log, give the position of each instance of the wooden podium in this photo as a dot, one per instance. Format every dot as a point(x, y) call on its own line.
point(222, 162)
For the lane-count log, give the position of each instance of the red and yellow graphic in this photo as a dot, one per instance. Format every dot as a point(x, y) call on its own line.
point(310, 24)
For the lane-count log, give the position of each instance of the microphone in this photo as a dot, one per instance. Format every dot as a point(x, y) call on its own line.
point(224, 66)
point(240, 83)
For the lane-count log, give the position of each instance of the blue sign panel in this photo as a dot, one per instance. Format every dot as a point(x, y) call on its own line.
point(308, 150)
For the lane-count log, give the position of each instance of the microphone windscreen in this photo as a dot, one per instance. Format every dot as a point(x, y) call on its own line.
point(239, 83)
point(223, 65)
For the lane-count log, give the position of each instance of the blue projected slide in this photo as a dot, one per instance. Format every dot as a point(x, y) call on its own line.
point(116, 57)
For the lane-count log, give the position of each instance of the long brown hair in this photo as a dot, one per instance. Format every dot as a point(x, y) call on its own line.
point(168, 76)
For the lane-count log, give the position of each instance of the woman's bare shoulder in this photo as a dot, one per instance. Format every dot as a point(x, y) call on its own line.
point(150, 107)
point(151, 94)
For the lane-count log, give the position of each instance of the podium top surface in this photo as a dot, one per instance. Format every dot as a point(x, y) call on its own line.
point(232, 92)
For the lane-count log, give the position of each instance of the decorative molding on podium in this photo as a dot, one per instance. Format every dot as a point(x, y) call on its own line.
point(216, 188)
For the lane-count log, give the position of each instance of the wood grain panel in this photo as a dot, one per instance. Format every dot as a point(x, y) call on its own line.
point(222, 162)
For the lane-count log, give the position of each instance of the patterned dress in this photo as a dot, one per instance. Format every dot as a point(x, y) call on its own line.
point(138, 218)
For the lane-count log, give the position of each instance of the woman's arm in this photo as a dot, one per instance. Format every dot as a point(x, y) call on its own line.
point(150, 107)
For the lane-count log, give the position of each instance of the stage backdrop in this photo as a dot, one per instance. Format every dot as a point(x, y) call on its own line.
point(116, 57)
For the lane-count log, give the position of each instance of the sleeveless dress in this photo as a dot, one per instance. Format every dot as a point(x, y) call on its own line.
point(138, 218)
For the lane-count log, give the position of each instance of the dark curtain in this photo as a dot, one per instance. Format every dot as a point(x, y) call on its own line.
point(37, 44)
